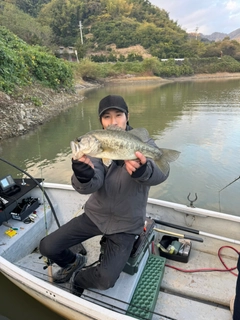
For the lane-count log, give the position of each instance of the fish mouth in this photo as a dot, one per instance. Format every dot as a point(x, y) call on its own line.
point(74, 146)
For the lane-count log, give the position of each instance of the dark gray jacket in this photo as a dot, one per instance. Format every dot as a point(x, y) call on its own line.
point(118, 201)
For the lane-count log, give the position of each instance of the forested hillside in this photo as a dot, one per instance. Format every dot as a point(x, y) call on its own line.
point(104, 23)
point(133, 35)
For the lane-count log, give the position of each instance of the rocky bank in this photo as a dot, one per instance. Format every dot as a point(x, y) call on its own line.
point(20, 114)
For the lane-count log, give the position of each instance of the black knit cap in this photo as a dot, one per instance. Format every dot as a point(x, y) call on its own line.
point(112, 102)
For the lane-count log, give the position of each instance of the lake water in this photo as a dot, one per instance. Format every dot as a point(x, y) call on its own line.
point(201, 119)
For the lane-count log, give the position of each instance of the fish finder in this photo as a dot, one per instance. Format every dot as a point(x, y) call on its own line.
point(8, 185)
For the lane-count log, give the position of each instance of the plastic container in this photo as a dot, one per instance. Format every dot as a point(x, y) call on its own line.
point(167, 242)
point(25, 208)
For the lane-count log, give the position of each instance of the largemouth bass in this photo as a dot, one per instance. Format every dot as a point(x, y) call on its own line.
point(115, 143)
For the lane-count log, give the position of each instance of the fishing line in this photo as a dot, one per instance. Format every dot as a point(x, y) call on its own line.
point(112, 305)
point(223, 189)
point(48, 261)
point(41, 170)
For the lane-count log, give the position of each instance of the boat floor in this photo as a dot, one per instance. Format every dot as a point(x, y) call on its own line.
point(182, 296)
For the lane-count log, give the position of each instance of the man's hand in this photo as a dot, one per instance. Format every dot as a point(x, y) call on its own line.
point(86, 160)
point(133, 165)
point(83, 169)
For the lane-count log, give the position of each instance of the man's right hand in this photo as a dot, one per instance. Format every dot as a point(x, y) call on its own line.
point(83, 169)
point(86, 160)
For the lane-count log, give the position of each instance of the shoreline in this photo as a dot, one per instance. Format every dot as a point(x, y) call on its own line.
point(196, 77)
point(18, 117)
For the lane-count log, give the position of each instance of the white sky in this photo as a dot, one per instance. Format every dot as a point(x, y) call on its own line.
point(207, 15)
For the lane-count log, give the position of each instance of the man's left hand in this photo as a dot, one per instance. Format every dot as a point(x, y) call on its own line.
point(133, 165)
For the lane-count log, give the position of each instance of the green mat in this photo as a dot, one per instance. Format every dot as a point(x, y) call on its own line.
point(145, 295)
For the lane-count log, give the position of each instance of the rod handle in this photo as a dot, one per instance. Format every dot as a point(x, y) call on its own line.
point(179, 235)
point(186, 236)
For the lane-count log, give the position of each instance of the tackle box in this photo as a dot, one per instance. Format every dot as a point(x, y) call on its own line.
point(167, 241)
point(25, 208)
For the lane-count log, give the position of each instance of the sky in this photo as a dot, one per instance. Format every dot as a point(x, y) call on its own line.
point(203, 16)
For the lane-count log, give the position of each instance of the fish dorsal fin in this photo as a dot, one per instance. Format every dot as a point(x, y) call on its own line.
point(141, 133)
point(112, 127)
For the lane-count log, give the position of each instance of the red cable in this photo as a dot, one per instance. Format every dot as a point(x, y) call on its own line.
point(219, 255)
point(210, 269)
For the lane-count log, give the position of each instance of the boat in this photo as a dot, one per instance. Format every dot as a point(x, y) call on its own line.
point(158, 281)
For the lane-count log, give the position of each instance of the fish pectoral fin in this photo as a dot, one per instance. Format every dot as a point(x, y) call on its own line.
point(76, 153)
point(107, 162)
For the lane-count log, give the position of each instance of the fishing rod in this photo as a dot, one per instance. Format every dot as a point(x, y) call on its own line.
point(225, 188)
point(179, 235)
point(39, 185)
point(210, 235)
point(229, 184)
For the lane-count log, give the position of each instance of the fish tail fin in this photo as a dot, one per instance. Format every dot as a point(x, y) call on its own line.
point(76, 153)
point(167, 156)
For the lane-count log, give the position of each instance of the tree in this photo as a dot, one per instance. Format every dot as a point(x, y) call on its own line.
point(116, 8)
point(229, 47)
point(193, 48)
point(25, 26)
point(31, 7)
point(63, 17)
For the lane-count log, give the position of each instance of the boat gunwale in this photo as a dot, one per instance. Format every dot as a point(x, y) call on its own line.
point(167, 204)
point(58, 295)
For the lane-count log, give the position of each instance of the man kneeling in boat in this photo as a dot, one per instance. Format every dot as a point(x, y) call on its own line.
point(115, 209)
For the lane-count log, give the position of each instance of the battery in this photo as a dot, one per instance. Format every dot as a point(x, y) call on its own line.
point(139, 248)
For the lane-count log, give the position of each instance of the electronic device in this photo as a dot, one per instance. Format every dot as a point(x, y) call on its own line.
point(8, 185)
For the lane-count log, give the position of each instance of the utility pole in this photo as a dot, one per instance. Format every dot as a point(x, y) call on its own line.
point(80, 27)
point(196, 32)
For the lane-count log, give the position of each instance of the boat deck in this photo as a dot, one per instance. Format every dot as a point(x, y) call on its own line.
point(26, 237)
point(182, 295)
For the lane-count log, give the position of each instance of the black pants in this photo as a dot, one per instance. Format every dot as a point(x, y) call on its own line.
point(236, 310)
point(116, 252)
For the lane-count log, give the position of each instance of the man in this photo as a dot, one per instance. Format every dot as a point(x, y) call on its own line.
point(116, 208)
point(235, 302)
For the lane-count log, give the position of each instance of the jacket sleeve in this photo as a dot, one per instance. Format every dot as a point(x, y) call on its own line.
point(95, 183)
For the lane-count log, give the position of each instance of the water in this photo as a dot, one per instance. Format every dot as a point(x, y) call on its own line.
point(200, 119)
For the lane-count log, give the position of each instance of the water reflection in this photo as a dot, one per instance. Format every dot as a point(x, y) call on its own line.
point(200, 119)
